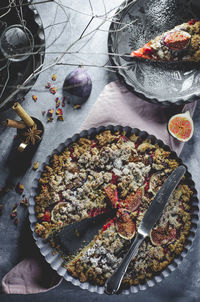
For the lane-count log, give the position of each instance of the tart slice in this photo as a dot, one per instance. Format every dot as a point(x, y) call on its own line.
point(181, 43)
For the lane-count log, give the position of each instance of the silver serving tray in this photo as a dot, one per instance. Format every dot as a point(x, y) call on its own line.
point(56, 261)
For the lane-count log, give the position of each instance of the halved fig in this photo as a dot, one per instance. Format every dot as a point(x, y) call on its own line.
point(133, 200)
point(162, 235)
point(177, 40)
point(125, 224)
point(112, 194)
point(181, 126)
point(57, 210)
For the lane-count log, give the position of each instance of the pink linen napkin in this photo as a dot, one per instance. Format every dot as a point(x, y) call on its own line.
point(30, 276)
point(116, 105)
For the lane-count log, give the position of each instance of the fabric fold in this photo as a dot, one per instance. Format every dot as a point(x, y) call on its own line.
point(117, 105)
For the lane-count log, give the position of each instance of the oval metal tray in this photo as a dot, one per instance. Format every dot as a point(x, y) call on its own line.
point(135, 23)
point(55, 259)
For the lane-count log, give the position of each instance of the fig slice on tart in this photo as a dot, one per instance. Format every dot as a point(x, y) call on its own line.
point(124, 224)
point(162, 235)
point(133, 200)
point(155, 182)
point(112, 194)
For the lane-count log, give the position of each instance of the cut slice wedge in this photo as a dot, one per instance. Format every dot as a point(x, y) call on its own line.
point(181, 43)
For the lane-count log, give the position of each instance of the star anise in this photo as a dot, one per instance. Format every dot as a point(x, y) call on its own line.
point(32, 135)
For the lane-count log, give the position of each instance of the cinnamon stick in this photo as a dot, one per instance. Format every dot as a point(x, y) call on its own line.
point(23, 114)
point(14, 124)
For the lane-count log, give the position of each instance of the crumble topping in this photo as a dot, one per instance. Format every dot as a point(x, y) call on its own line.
point(111, 170)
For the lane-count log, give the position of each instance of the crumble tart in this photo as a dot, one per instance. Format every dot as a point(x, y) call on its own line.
point(181, 43)
point(121, 170)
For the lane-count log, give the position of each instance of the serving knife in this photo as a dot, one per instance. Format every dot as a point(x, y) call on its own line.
point(150, 218)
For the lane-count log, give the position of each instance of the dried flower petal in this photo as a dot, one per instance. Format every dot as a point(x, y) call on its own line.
point(53, 77)
point(57, 100)
point(13, 213)
point(53, 90)
point(34, 97)
point(59, 111)
point(35, 165)
point(19, 188)
point(60, 118)
point(16, 221)
point(48, 85)
point(75, 107)
point(50, 112)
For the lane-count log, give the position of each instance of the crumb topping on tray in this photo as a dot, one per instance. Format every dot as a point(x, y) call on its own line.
point(113, 170)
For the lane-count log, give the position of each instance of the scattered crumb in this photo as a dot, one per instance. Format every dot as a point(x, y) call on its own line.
point(35, 165)
point(43, 112)
point(24, 202)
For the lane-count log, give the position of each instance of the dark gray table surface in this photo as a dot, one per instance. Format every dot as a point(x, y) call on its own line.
point(16, 242)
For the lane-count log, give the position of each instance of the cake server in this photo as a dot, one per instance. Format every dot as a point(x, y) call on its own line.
point(150, 218)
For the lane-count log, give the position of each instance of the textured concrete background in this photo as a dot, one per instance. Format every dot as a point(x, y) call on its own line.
point(16, 242)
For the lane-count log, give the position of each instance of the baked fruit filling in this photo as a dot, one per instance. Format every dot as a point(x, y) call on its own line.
point(182, 43)
point(113, 170)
